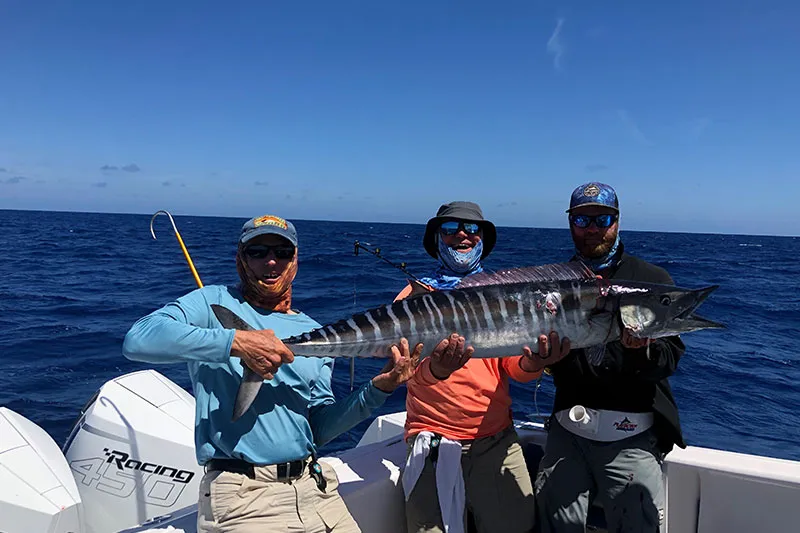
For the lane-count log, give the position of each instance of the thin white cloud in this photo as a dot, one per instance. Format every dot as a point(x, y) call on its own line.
point(633, 128)
point(554, 45)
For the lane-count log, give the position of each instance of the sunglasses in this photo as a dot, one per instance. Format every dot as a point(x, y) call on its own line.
point(260, 251)
point(601, 221)
point(452, 227)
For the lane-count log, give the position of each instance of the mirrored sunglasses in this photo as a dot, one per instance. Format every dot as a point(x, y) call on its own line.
point(601, 221)
point(452, 227)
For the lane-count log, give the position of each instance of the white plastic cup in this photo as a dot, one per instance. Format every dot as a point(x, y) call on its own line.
point(579, 414)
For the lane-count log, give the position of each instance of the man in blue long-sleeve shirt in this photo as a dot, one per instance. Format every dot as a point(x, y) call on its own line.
point(261, 471)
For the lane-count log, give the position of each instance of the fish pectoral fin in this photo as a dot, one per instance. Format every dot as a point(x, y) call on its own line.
point(595, 354)
point(417, 288)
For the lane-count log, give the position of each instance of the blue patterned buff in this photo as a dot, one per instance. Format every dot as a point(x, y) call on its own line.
point(454, 265)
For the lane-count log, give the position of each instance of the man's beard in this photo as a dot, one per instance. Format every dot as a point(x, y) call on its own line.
point(599, 248)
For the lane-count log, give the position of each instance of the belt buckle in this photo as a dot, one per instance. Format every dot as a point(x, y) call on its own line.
point(282, 469)
point(298, 468)
point(289, 470)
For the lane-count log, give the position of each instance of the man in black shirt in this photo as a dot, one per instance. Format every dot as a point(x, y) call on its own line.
point(612, 424)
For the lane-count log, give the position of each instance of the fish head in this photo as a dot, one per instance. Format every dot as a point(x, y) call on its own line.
point(653, 311)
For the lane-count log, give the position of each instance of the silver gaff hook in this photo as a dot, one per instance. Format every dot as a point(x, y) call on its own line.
point(153, 219)
point(180, 241)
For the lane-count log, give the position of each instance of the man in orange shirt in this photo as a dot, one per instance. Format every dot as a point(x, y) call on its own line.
point(459, 407)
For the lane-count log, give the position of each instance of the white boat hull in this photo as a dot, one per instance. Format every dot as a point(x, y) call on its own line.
point(144, 414)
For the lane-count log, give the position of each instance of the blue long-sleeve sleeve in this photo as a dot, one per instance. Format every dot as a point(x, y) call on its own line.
point(330, 418)
point(181, 331)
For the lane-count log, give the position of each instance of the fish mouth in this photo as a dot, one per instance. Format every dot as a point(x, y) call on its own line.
point(684, 321)
point(694, 322)
point(700, 296)
point(689, 321)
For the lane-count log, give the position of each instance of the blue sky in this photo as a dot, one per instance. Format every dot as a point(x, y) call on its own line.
point(381, 111)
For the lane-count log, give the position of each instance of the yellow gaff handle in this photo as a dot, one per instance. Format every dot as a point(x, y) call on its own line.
point(180, 241)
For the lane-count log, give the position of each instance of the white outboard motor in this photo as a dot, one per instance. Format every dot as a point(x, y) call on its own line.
point(132, 452)
point(37, 491)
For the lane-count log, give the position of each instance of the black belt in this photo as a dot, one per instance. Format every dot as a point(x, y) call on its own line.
point(288, 470)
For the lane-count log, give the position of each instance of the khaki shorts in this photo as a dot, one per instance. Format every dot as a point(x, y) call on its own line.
point(235, 503)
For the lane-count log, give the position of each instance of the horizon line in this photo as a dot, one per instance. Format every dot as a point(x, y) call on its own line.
point(623, 230)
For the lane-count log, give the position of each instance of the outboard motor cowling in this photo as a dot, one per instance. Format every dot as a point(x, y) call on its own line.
point(37, 491)
point(132, 452)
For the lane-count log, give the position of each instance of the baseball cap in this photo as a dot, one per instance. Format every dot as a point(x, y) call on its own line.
point(594, 193)
point(268, 225)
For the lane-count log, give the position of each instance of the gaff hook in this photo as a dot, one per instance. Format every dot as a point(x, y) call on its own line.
point(180, 241)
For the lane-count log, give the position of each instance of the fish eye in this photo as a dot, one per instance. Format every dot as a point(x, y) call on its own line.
point(666, 300)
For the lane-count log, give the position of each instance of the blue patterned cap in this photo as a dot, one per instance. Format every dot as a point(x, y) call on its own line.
point(594, 193)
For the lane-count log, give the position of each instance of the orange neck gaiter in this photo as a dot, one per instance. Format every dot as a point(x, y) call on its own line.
point(274, 296)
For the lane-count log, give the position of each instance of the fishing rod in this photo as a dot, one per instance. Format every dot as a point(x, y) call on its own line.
point(377, 253)
point(401, 267)
point(180, 242)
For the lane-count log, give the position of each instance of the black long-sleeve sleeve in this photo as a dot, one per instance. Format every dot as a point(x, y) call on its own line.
point(655, 362)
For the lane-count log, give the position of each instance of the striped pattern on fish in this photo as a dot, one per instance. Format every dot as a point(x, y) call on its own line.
point(497, 320)
point(499, 313)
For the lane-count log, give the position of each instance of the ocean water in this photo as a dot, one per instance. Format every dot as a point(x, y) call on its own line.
point(71, 284)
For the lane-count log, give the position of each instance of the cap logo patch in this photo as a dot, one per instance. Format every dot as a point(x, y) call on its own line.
point(591, 190)
point(270, 220)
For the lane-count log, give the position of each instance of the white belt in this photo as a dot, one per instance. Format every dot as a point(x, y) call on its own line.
point(602, 424)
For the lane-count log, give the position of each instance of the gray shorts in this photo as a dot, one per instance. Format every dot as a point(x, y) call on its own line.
point(625, 476)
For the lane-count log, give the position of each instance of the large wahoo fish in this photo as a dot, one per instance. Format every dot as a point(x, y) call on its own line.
point(499, 313)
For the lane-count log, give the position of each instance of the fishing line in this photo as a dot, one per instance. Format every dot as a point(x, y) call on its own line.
point(355, 299)
point(538, 386)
